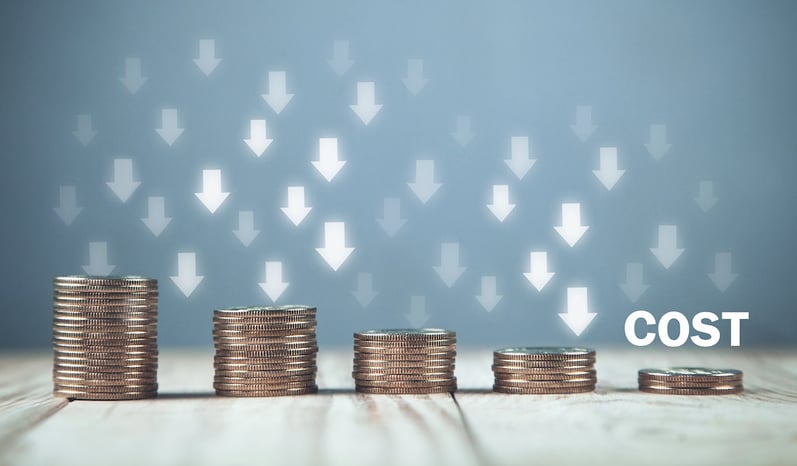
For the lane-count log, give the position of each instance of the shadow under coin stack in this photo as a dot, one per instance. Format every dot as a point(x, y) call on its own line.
point(405, 361)
point(544, 371)
point(691, 381)
point(105, 337)
point(265, 351)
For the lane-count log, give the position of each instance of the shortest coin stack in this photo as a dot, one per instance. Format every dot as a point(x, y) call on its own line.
point(544, 371)
point(405, 361)
point(691, 381)
point(265, 351)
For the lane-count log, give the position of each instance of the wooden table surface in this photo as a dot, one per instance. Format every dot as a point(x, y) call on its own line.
point(188, 425)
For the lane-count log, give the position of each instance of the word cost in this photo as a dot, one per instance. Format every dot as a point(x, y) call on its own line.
point(706, 334)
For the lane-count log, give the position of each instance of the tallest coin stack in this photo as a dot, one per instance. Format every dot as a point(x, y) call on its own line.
point(105, 337)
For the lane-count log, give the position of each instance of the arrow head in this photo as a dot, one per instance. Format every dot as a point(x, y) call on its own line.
point(340, 65)
point(328, 168)
point(123, 189)
point(277, 102)
point(335, 257)
point(207, 64)
point(156, 225)
point(449, 274)
point(417, 319)
point(583, 131)
point(366, 112)
point(133, 84)
point(706, 203)
point(634, 291)
point(489, 302)
point(722, 280)
point(462, 138)
point(520, 166)
point(169, 135)
point(296, 214)
point(501, 211)
point(415, 85)
point(424, 191)
point(212, 200)
point(364, 297)
point(391, 226)
point(658, 150)
point(539, 280)
point(68, 214)
point(571, 234)
point(577, 322)
point(99, 269)
point(273, 290)
point(258, 146)
point(246, 236)
point(85, 137)
point(187, 284)
point(667, 256)
point(608, 178)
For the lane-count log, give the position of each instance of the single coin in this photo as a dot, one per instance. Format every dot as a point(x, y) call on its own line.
point(730, 390)
point(405, 334)
point(543, 391)
point(267, 393)
point(400, 342)
point(144, 319)
point(545, 383)
point(104, 353)
point(272, 374)
point(256, 356)
point(690, 373)
point(243, 387)
point(264, 325)
point(267, 340)
point(100, 374)
point(119, 396)
point(98, 382)
point(544, 364)
point(405, 390)
point(405, 383)
point(382, 376)
point(111, 279)
point(404, 355)
point(403, 370)
point(275, 383)
point(537, 353)
point(93, 389)
point(550, 377)
point(264, 332)
point(564, 370)
point(405, 350)
point(293, 358)
point(266, 310)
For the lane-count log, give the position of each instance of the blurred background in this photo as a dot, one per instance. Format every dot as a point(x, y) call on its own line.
point(698, 98)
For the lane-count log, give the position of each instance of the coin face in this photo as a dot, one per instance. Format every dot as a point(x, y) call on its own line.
point(690, 372)
point(405, 333)
point(544, 352)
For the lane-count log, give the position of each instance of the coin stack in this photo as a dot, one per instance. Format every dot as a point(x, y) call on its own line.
point(405, 361)
point(544, 371)
point(265, 351)
point(691, 381)
point(105, 337)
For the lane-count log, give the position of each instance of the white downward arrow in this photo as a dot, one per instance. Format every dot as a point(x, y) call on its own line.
point(449, 268)
point(246, 232)
point(501, 206)
point(577, 316)
point(67, 208)
point(519, 161)
point(340, 62)
point(169, 129)
point(462, 132)
point(391, 220)
point(415, 81)
point(722, 275)
point(366, 107)
point(186, 279)
point(417, 316)
point(277, 97)
point(273, 285)
point(296, 211)
point(538, 274)
point(583, 127)
point(571, 229)
point(667, 251)
point(156, 219)
point(84, 133)
point(658, 145)
point(334, 251)
point(328, 164)
point(634, 286)
point(122, 184)
point(365, 293)
point(258, 141)
point(424, 186)
point(132, 79)
point(207, 61)
point(98, 260)
point(608, 173)
point(211, 194)
point(489, 297)
point(705, 195)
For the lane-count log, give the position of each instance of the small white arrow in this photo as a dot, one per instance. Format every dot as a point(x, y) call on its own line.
point(296, 211)
point(122, 184)
point(246, 232)
point(462, 132)
point(538, 274)
point(658, 145)
point(417, 316)
point(258, 141)
point(98, 260)
point(277, 97)
point(364, 293)
point(132, 78)
point(489, 297)
point(415, 81)
point(519, 162)
point(186, 279)
point(571, 229)
point(328, 164)
point(366, 107)
point(501, 206)
point(391, 220)
point(334, 251)
point(273, 285)
point(340, 62)
point(67, 208)
point(722, 275)
point(211, 194)
point(156, 219)
point(424, 186)
point(577, 316)
point(583, 127)
point(634, 286)
point(449, 268)
point(207, 61)
point(84, 132)
point(705, 196)
point(667, 251)
point(608, 173)
point(169, 129)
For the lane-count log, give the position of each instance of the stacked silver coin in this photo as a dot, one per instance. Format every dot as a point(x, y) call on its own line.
point(405, 361)
point(691, 381)
point(265, 351)
point(544, 371)
point(105, 337)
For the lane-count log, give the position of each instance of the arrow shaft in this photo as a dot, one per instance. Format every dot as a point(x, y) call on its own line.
point(274, 271)
point(365, 281)
point(68, 196)
point(577, 300)
point(98, 252)
point(571, 215)
point(658, 134)
point(207, 49)
point(667, 236)
point(539, 262)
point(418, 304)
point(246, 220)
point(133, 67)
point(583, 115)
point(123, 170)
point(501, 194)
point(328, 149)
point(276, 82)
point(340, 50)
point(633, 273)
point(489, 286)
point(366, 93)
point(463, 124)
point(334, 235)
point(295, 196)
point(84, 123)
point(186, 264)
point(608, 156)
point(722, 262)
point(156, 207)
point(211, 181)
point(169, 118)
point(415, 69)
point(424, 171)
point(706, 189)
point(257, 130)
point(520, 147)
point(392, 208)
point(449, 255)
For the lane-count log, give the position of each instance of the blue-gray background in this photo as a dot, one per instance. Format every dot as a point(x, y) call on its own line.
point(720, 74)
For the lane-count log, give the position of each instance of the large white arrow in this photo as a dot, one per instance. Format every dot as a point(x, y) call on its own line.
point(501, 206)
point(571, 229)
point(577, 316)
point(277, 97)
point(722, 275)
point(258, 141)
point(169, 129)
point(296, 210)
point(449, 268)
point(657, 146)
point(84, 132)
point(705, 196)
point(207, 60)
point(417, 316)
point(391, 220)
point(273, 285)
point(608, 173)
point(462, 131)
point(186, 279)
point(538, 274)
point(211, 195)
point(424, 186)
point(132, 79)
point(98, 260)
point(123, 184)
point(334, 251)
point(489, 296)
point(667, 250)
point(156, 219)
point(583, 127)
point(328, 163)
point(246, 232)
point(519, 161)
point(365, 293)
point(415, 81)
point(67, 208)
point(634, 286)
point(340, 62)
point(366, 107)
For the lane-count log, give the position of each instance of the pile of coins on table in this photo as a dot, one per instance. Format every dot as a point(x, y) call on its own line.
point(691, 381)
point(544, 371)
point(105, 337)
point(405, 361)
point(265, 351)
